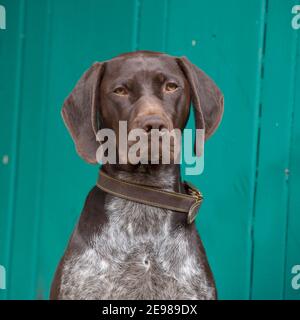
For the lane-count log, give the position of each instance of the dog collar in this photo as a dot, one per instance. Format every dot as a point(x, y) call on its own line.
point(188, 203)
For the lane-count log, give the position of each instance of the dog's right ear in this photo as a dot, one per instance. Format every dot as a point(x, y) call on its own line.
point(80, 110)
point(207, 98)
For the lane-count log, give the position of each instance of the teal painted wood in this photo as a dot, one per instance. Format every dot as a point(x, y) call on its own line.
point(11, 45)
point(272, 192)
point(29, 166)
point(152, 23)
point(292, 245)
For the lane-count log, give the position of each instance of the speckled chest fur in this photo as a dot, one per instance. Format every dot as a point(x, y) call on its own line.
point(139, 253)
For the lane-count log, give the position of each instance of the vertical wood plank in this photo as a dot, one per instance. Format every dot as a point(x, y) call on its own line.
point(11, 54)
point(27, 193)
point(293, 223)
point(272, 189)
point(153, 25)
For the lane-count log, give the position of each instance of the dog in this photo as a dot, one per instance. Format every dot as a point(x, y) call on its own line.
point(124, 249)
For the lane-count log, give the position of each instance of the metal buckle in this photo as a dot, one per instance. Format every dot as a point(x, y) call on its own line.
point(198, 200)
point(193, 191)
point(193, 212)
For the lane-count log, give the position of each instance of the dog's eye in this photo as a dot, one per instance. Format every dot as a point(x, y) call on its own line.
point(121, 91)
point(171, 86)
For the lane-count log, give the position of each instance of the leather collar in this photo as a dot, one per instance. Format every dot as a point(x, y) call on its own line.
point(188, 203)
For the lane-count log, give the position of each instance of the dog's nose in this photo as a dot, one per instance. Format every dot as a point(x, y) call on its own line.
point(154, 123)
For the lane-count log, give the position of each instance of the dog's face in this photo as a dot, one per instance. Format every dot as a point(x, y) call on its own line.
point(148, 90)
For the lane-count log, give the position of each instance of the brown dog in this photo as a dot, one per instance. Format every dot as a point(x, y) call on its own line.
point(122, 249)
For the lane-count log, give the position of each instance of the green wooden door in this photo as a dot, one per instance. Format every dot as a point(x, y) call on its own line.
point(249, 221)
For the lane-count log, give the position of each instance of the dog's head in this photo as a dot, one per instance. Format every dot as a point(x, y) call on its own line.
point(149, 90)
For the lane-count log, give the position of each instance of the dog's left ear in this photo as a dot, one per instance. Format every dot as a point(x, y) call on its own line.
point(80, 111)
point(207, 98)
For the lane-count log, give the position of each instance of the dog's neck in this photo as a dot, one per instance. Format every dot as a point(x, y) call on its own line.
point(166, 176)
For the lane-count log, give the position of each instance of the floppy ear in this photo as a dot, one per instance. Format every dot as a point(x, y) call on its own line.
point(207, 98)
point(80, 110)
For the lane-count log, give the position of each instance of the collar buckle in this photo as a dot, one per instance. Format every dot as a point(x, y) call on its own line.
point(193, 191)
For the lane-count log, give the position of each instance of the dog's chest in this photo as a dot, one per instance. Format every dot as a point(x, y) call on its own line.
point(136, 256)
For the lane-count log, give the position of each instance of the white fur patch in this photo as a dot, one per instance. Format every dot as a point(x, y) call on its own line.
point(136, 256)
